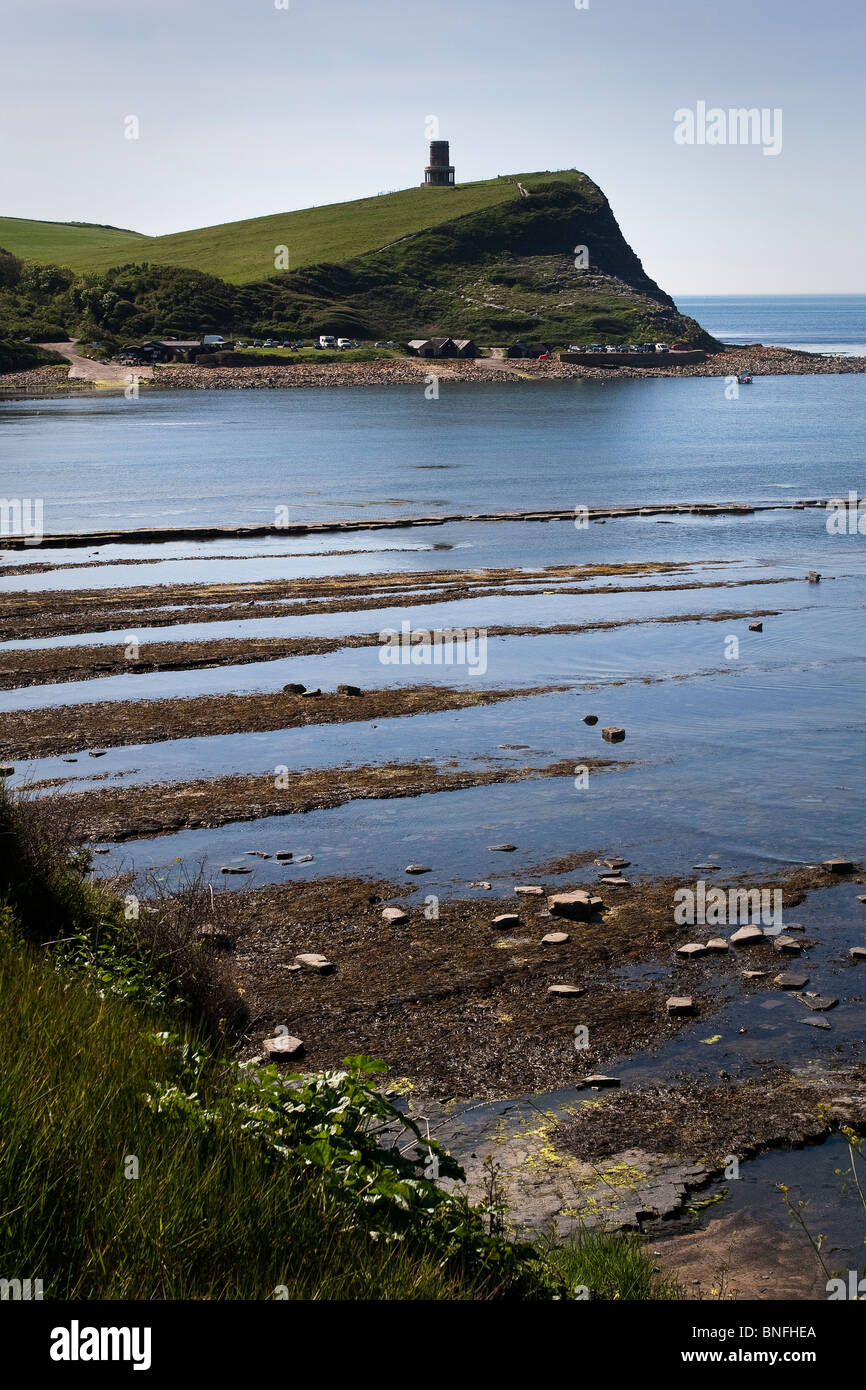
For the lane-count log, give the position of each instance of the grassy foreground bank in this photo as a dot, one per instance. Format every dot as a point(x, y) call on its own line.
point(138, 1160)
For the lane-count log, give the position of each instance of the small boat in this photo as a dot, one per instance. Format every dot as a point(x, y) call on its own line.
point(744, 380)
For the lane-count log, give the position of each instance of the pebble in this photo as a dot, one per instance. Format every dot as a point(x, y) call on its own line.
point(817, 1002)
point(282, 1048)
point(680, 1004)
point(836, 866)
point(310, 960)
point(578, 905)
point(747, 936)
point(789, 979)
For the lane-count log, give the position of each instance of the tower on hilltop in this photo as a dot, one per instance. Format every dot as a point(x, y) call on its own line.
point(439, 172)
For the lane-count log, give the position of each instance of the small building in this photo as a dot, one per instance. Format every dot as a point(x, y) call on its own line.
point(466, 348)
point(433, 347)
point(521, 349)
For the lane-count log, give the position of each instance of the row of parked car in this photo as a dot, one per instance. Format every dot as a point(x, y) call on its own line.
point(632, 347)
point(326, 340)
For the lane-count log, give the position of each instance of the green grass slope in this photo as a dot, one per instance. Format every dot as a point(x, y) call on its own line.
point(243, 251)
point(76, 244)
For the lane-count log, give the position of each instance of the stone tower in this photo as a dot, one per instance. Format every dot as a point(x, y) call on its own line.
point(439, 172)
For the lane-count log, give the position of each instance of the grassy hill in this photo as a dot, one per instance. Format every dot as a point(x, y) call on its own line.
point(243, 251)
point(76, 244)
point(478, 260)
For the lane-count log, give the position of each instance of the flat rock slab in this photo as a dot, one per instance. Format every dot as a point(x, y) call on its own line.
point(283, 855)
point(817, 1002)
point(418, 869)
point(680, 1004)
point(566, 990)
point(718, 945)
point(611, 734)
point(506, 920)
point(858, 953)
point(614, 880)
point(311, 961)
point(614, 861)
point(601, 1081)
point(815, 1023)
point(839, 866)
point(503, 849)
point(747, 936)
point(790, 979)
point(555, 938)
point(282, 1048)
point(692, 950)
point(578, 906)
point(230, 869)
point(258, 854)
point(787, 945)
point(304, 859)
point(395, 915)
point(755, 974)
point(531, 890)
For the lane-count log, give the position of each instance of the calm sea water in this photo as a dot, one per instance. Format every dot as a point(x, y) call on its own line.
point(813, 323)
point(228, 457)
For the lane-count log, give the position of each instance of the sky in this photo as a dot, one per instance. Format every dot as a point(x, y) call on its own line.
point(247, 107)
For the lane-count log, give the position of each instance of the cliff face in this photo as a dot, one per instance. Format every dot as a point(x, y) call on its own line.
point(514, 270)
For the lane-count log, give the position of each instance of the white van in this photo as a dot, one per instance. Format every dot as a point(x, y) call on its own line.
point(327, 340)
point(344, 343)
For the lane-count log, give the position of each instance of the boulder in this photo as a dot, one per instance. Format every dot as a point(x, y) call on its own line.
point(611, 734)
point(578, 906)
point(282, 1048)
point(680, 1004)
point(790, 979)
point(294, 689)
point(756, 627)
point(813, 576)
point(310, 694)
point(839, 866)
point(310, 960)
point(818, 1002)
point(283, 855)
point(590, 718)
point(349, 690)
point(747, 936)
point(505, 921)
point(395, 915)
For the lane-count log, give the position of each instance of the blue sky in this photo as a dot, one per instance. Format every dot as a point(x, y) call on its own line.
point(247, 109)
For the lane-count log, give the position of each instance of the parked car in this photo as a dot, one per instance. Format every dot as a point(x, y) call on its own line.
point(257, 342)
point(343, 343)
point(327, 340)
point(662, 347)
